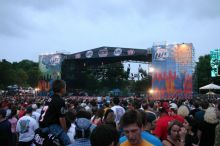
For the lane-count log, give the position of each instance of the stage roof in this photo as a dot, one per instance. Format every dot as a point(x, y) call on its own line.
point(112, 54)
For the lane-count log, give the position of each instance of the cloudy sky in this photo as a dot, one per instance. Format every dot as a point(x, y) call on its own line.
point(32, 27)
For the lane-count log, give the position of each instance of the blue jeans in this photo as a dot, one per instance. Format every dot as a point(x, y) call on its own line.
point(58, 131)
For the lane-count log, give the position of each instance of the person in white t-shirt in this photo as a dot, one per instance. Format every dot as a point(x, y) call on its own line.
point(118, 110)
point(26, 126)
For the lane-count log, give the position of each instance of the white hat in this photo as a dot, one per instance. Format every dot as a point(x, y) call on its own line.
point(173, 106)
point(34, 106)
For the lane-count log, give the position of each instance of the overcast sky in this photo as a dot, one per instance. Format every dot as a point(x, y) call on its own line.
point(32, 27)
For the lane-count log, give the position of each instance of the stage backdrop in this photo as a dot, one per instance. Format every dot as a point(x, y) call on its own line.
point(173, 69)
point(50, 67)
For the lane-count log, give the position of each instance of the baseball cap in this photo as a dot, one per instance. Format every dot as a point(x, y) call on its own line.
point(173, 106)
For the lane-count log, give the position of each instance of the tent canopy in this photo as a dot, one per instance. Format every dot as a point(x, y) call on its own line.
point(209, 87)
point(210, 93)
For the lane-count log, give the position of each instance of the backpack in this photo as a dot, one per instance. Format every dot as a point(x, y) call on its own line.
point(45, 139)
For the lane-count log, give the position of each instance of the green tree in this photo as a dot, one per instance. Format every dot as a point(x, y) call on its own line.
point(24, 73)
point(21, 78)
point(203, 70)
point(34, 76)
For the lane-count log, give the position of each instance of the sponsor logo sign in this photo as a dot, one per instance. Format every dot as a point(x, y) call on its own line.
point(55, 60)
point(103, 52)
point(118, 52)
point(131, 52)
point(89, 54)
point(161, 54)
point(78, 56)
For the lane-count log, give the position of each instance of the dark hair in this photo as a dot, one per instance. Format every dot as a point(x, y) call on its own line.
point(83, 114)
point(137, 104)
point(192, 122)
point(116, 100)
point(131, 117)
point(171, 124)
point(29, 110)
point(99, 114)
point(145, 105)
point(151, 104)
point(107, 112)
point(13, 112)
point(3, 112)
point(205, 104)
point(70, 118)
point(104, 135)
point(143, 117)
point(58, 85)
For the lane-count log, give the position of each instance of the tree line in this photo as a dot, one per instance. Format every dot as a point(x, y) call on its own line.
point(24, 73)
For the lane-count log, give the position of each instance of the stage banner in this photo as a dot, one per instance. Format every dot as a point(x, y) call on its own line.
point(50, 65)
point(173, 70)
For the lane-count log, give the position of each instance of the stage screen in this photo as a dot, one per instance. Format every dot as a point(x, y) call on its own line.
point(173, 69)
point(214, 62)
point(50, 66)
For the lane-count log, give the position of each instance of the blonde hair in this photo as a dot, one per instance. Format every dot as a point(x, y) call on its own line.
point(183, 111)
point(211, 116)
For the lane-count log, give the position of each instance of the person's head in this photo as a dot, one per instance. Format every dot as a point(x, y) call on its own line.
point(210, 116)
point(183, 111)
point(104, 135)
point(190, 124)
point(145, 105)
point(59, 86)
point(131, 122)
point(99, 113)
point(29, 110)
point(205, 104)
point(116, 100)
point(164, 109)
point(148, 120)
point(174, 129)
point(173, 107)
point(109, 116)
point(83, 114)
point(2, 113)
point(34, 107)
point(151, 120)
point(13, 112)
point(137, 104)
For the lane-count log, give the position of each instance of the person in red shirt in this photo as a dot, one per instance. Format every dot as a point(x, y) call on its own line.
point(21, 112)
point(162, 123)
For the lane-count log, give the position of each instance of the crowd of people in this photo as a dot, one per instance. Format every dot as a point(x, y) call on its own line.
point(58, 120)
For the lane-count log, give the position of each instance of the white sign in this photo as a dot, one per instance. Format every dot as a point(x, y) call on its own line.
point(89, 54)
point(161, 54)
point(103, 52)
point(55, 60)
point(118, 52)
